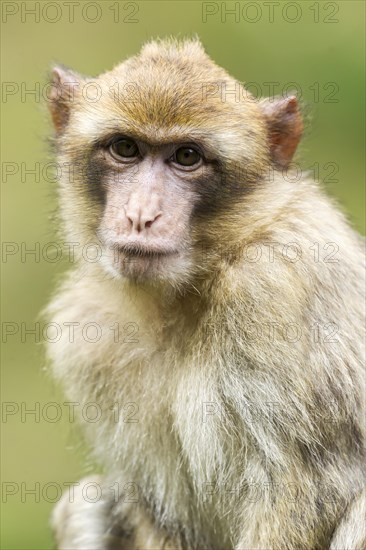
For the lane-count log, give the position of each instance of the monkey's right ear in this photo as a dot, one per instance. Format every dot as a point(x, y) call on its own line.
point(285, 127)
point(64, 88)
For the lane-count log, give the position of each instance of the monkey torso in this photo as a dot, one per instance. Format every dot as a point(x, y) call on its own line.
point(235, 407)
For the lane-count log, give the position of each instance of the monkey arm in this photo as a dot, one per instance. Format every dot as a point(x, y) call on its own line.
point(79, 524)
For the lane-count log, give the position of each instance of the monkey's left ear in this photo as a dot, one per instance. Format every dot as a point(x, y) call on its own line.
point(285, 127)
point(64, 90)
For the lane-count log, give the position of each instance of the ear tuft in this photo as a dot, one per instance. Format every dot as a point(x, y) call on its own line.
point(64, 88)
point(285, 127)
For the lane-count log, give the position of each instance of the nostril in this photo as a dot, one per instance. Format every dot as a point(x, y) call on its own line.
point(149, 223)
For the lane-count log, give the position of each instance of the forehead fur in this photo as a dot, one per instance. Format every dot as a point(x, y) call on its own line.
point(170, 82)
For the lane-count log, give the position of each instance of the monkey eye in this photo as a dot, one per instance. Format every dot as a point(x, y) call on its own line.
point(124, 149)
point(186, 156)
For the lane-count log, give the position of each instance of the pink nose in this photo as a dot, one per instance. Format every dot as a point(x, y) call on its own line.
point(140, 221)
point(143, 210)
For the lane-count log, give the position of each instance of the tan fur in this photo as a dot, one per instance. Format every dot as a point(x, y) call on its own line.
point(230, 427)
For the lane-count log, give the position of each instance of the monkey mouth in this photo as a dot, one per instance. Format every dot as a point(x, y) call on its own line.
point(137, 250)
point(141, 263)
point(143, 260)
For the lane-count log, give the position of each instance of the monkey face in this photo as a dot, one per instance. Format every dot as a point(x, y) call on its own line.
point(150, 195)
point(153, 201)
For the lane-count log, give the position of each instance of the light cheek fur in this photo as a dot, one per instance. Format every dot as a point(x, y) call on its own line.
point(232, 434)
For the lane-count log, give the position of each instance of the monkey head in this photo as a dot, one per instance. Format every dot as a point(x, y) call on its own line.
point(160, 151)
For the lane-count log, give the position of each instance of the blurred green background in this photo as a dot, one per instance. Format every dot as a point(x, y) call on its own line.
point(317, 45)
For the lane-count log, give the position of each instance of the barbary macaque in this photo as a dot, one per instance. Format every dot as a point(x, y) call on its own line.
point(227, 365)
